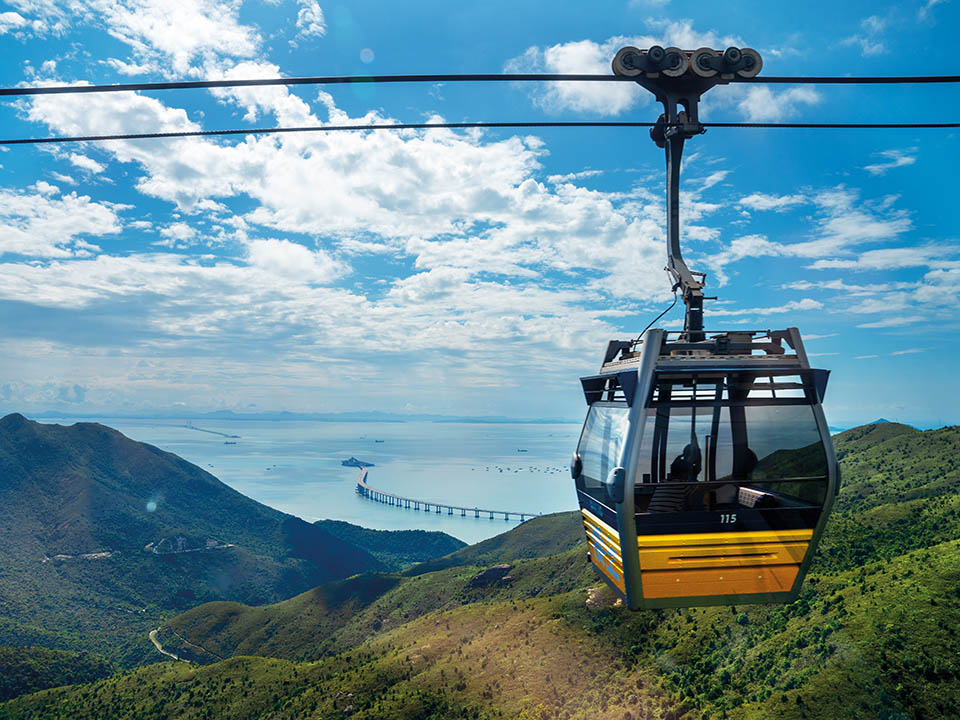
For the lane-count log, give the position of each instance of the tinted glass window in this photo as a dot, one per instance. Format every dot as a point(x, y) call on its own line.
point(786, 441)
point(601, 442)
point(719, 430)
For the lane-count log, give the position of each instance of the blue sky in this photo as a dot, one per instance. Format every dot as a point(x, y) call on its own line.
point(461, 272)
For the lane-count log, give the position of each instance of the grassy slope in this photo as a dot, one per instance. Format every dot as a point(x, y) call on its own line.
point(873, 634)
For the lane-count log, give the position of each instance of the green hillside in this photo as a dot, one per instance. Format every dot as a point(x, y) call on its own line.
point(131, 535)
point(345, 613)
point(876, 642)
point(539, 537)
point(28, 669)
point(873, 635)
point(396, 549)
point(889, 462)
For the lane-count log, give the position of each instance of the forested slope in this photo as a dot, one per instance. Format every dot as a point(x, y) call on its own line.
point(104, 537)
point(873, 635)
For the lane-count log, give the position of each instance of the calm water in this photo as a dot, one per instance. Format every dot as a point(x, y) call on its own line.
point(294, 466)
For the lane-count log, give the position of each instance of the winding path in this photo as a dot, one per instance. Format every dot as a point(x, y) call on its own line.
point(156, 644)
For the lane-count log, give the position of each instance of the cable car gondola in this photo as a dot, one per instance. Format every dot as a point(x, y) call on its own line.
point(705, 470)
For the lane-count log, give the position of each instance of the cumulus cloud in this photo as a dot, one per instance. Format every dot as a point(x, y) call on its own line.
point(85, 163)
point(293, 261)
point(310, 21)
point(758, 103)
point(36, 224)
point(10, 21)
point(454, 196)
point(176, 38)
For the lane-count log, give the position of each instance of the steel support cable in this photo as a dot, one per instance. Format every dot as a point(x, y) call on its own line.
point(453, 125)
point(451, 78)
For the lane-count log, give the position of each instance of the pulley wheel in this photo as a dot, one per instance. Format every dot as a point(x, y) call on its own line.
point(699, 62)
point(749, 71)
point(627, 62)
point(675, 64)
point(656, 55)
point(731, 56)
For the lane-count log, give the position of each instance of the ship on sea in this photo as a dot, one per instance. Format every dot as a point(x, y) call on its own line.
point(353, 462)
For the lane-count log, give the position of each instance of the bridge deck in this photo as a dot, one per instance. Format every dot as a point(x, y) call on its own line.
point(405, 502)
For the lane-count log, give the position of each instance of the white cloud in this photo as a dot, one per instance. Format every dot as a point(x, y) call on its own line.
point(759, 103)
point(894, 159)
point(452, 197)
point(890, 258)
point(45, 188)
point(286, 259)
point(791, 306)
point(131, 68)
point(310, 21)
point(178, 231)
point(178, 37)
point(843, 221)
point(746, 246)
point(713, 178)
point(85, 163)
point(909, 351)
point(896, 321)
point(870, 39)
point(763, 201)
point(39, 225)
point(924, 11)
point(10, 20)
point(44, 16)
point(568, 177)
point(60, 177)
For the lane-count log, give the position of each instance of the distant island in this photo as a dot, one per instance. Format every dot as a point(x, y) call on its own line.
point(353, 462)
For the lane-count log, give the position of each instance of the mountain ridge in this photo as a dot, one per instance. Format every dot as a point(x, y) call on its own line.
point(134, 534)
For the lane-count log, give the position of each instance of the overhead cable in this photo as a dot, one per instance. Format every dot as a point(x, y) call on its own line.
point(452, 125)
point(450, 78)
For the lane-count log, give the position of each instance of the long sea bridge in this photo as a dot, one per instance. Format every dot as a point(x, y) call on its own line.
point(399, 501)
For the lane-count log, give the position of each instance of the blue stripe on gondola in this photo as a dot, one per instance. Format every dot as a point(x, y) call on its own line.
point(604, 560)
point(597, 537)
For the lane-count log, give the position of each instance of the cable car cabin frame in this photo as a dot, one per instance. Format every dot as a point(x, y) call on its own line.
point(705, 471)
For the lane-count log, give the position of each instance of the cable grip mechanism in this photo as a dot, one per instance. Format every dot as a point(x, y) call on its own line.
point(678, 78)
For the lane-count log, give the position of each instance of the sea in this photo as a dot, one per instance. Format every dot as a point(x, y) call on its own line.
point(295, 466)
